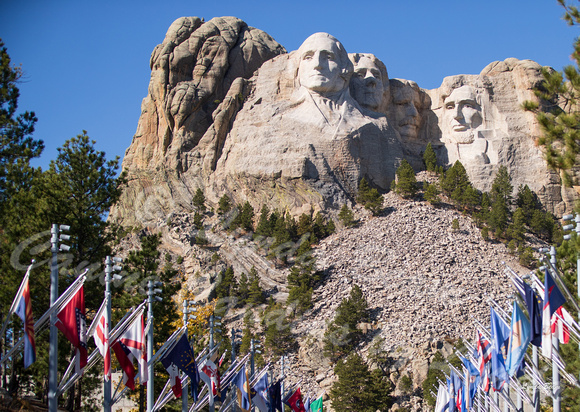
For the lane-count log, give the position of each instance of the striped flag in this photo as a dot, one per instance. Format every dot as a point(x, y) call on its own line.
point(130, 346)
point(101, 337)
point(483, 351)
point(553, 299)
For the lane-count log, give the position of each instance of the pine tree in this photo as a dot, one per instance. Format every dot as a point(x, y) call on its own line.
point(502, 186)
point(455, 178)
point(471, 198)
point(278, 336)
point(342, 334)
point(304, 225)
point(263, 227)
point(227, 285)
point(359, 389)
point(247, 217)
point(17, 147)
point(528, 201)
point(501, 195)
point(430, 158)
point(197, 220)
point(346, 216)
point(301, 281)
point(557, 109)
point(517, 228)
point(431, 194)
point(243, 288)
point(369, 197)
point(256, 294)
point(199, 201)
point(406, 180)
point(224, 205)
point(80, 186)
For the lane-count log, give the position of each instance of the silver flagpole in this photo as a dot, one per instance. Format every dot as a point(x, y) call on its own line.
point(555, 346)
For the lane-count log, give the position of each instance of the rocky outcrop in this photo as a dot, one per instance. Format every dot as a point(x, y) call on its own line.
point(191, 74)
point(502, 133)
point(230, 112)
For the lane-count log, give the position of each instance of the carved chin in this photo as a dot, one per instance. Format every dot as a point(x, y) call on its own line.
point(466, 137)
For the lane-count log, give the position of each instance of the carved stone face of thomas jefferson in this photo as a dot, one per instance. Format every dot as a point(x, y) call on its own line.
point(462, 115)
point(324, 65)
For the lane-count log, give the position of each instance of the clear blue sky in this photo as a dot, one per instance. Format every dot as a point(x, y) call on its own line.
point(87, 63)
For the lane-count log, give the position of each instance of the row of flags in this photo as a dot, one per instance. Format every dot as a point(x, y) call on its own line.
point(501, 358)
point(129, 346)
point(492, 363)
point(71, 321)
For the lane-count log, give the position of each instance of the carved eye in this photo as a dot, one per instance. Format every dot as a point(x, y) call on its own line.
point(450, 106)
point(307, 56)
point(468, 105)
point(329, 55)
point(376, 73)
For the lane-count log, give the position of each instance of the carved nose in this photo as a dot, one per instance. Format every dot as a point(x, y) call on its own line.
point(317, 60)
point(457, 114)
point(370, 81)
point(412, 110)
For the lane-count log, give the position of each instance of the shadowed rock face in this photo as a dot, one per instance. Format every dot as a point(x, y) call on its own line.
point(230, 112)
point(191, 73)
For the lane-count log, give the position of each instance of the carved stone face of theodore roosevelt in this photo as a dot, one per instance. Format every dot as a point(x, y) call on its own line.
point(406, 105)
point(324, 65)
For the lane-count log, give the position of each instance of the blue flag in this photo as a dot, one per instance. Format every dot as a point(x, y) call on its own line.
point(470, 386)
point(534, 305)
point(499, 336)
point(553, 293)
point(241, 381)
point(183, 357)
point(260, 394)
point(519, 340)
point(275, 393)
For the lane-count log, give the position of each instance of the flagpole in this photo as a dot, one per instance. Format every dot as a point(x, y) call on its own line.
point(150, 296)
point(184, 398)
point(107, 404)
point(53, 340)
point(555, 346)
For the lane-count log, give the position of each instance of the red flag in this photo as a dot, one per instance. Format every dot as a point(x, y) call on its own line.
point(483, 351)
point(101, 337)
point(71, 321)
point(175, 380)
point(559, 327)
point(129, 346)
point(295, 401)
point(24, 311)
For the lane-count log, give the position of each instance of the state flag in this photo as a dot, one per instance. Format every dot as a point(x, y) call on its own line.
point(553, 299)
point(72, 322)
point(259, 394)
point(243, 389)
point(183, 357)
point(294, 401)
point(519, 340)
point(275, 392)
point(316, 405)
point(130, 346)
point(101, 337)
point(24, 311)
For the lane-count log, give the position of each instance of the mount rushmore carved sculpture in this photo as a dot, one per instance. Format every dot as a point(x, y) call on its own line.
point(229, 111)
